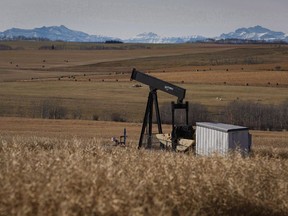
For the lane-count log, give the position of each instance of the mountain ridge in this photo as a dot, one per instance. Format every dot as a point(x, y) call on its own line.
point(62, 33)
point(151, 37)
point(54, 33)
point(255, 33)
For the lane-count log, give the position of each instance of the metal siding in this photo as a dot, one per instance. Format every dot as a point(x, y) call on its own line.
point(209, 141)
point(200, 141)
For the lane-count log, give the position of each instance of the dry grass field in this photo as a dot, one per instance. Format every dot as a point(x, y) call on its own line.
point(71, 167)
point(52, 176)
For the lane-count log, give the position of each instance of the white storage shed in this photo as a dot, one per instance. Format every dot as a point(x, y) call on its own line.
point(221, 138)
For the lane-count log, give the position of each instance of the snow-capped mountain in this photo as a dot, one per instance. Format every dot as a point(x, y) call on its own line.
point(63, 33)
point(154, 38)
point(54, 33)
point(255, 33)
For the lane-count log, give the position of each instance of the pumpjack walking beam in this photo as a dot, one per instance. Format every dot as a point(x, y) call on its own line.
point(155, 84)
point(158, 84)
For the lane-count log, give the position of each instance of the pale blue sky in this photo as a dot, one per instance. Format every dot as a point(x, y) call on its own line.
point(127, 18)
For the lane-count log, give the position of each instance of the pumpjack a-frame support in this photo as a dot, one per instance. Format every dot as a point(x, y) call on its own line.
point(148, 118)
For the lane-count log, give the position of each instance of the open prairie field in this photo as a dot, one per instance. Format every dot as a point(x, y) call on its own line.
point(69, 166)
point(93, 78)
point(88, 99)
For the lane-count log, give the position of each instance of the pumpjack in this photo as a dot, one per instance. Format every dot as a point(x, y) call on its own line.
point(181, 136)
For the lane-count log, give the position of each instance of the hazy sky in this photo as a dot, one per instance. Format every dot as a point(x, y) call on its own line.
point(127, 18)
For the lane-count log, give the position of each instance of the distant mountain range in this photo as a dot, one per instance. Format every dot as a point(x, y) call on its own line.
point(53, 33)
point(255, 33)
point(154, 38)
point(62, 33)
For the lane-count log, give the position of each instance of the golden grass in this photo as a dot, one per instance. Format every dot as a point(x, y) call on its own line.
point(52, 176)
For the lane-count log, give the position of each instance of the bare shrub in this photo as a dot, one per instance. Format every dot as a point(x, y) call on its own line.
point(52, 109)
point(95, 117)
point(114, 116)
point(52, 47)
point(283, 115)
point(117, 117)
point(2, 110)
point(77, 113)
point(277, 68)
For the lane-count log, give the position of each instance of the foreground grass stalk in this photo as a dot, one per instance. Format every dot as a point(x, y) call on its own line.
point(45, 176)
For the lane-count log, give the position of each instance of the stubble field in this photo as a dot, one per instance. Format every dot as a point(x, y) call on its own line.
point(70, 167)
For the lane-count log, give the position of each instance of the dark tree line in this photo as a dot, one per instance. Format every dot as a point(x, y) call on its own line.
point(256, 115)
point(5, 47)
point(23, 38)
point(113, 42)
point(246, 113)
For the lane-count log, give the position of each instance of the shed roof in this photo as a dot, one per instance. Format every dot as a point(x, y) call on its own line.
point(221, 126)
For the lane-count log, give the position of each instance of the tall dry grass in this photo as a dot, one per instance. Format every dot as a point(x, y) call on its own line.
point(46, 176)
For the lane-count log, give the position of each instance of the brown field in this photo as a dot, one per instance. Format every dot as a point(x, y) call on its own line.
point(104, 130)
point(70, 167)
point(67, 129)
point(77, 73)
